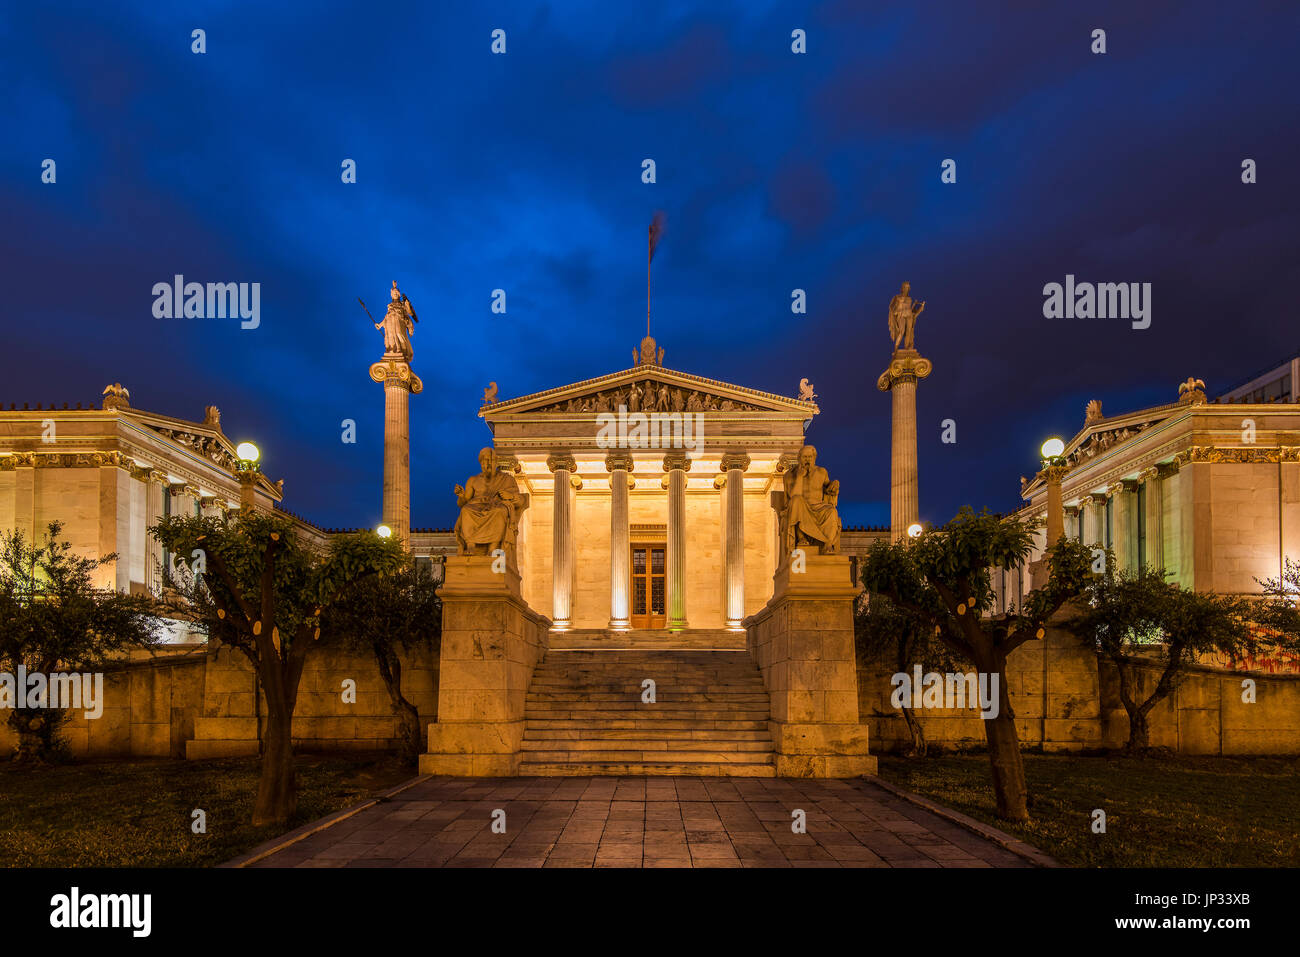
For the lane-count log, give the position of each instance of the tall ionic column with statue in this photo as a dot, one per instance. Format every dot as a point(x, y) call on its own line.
point(394, 371)
point(906, 368)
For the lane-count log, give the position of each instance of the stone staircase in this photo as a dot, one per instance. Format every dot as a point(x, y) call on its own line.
point(584, 713)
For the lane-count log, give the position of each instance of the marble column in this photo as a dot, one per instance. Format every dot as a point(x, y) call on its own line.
point(399, 382)
point(1150, 478)
point(906, 368)
point(734, 465)
point(619, 464)
point(563, 468)
point(676, 464)
point(1094, 523)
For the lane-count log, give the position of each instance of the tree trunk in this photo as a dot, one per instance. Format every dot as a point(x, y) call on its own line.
point(1139, 732)
point(410, 743)
point(1009, 788)
point(277, 789)
point(914, 728)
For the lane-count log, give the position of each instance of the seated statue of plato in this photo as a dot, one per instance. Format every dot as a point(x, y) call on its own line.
point(810, 516)
point(490, 505)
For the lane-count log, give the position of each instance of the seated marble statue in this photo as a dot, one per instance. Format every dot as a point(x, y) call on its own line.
point(811, 499)
point(490, 504)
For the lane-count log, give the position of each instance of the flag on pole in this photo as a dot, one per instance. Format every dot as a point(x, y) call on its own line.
point(656, 231)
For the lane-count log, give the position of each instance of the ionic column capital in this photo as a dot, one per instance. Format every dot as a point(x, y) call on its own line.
point(1098, 498)
point(561, 461)
point(393, 371)
point(1166, 469)
point(675, 460)
point(907, 365)
point(618, 460)
point(735, 460)
point(1147, 474)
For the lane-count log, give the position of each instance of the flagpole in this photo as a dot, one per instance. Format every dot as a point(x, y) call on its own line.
point(648, 259)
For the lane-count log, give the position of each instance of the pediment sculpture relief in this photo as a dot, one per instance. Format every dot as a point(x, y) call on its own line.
point(650, 396)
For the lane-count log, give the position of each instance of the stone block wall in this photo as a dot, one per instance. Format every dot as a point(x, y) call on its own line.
point(1065, 699)
point(200, 704)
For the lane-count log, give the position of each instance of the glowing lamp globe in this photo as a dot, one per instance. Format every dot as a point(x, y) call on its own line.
point(247, 452)
point(914, 530)
point(1053, 449)
point(383, 531)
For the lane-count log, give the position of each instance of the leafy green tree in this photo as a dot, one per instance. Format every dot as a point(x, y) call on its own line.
point(942, 578)
point(53, 617)
point(885, 633)
point(1127, 613)
point(254, 585)
point(384, 616)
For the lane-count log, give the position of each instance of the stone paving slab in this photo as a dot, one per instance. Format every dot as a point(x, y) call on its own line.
point(644, 822)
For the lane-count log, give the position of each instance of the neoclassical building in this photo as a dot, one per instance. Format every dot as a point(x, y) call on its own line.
point(1207, 489)
point(649, 496)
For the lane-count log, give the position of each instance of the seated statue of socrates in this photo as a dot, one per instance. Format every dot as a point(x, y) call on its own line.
point(811, 515)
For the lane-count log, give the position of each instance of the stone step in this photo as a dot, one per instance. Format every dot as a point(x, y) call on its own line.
point(645, 768)
point(662, 696)
point(637, 723)
point(716, 702)
point(637, 747)
point(663, 714)
point(589, 733)
point(657, 756)
point(656, 640)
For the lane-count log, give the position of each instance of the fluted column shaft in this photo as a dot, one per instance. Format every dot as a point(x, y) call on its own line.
point(620, 543)
point(676, 465)
point(905, 369)
point(399, 382)
point(563, 467)
point(733, 491)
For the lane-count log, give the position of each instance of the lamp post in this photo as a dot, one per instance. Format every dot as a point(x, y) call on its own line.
point(1054, 469)
point(246, 470)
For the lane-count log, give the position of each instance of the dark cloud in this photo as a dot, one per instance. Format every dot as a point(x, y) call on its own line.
point(522, 172)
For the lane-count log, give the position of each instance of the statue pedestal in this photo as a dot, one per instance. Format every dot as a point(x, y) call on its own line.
point(491, 642)
point(803, 643)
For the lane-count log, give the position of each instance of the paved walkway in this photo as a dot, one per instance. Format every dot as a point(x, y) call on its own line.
point(641, 822)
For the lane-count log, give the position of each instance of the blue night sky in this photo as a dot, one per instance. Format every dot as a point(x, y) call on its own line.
point(523, 172)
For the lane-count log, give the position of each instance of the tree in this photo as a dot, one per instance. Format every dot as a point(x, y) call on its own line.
point(884, 632)
point(383, 615)
point(1127, 612)
point(53, 616)
point(942, 577)
point(255, 586)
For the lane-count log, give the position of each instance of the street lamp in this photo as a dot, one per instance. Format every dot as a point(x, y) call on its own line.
point(914, 530)
point(1054, 469)
point(383, 531)
point(246, 471)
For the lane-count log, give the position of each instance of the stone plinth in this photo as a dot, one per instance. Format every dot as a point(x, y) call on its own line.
point(491, 642)
point(802, 641)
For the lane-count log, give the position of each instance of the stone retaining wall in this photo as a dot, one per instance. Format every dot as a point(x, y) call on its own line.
point(195, 703)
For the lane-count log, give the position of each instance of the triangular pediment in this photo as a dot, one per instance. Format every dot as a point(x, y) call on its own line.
point(650, 389)
point(1101, 434)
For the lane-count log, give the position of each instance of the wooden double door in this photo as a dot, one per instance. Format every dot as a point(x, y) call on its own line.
point(649, 585)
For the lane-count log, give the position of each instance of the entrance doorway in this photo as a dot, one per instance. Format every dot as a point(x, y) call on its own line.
point(649, 600)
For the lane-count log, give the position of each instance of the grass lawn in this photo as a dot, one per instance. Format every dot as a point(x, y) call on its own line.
point(1160, 811)
point(120, 813)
